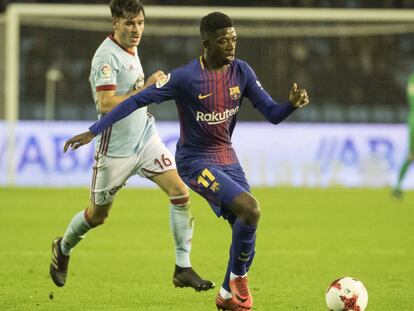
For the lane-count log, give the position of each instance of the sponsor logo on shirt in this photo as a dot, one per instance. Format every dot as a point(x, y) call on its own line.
point(216, 117)
point(201, 96)
point(234, 92)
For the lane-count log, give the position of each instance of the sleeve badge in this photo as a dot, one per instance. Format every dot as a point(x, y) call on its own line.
point(162, 82)
point(106, 72)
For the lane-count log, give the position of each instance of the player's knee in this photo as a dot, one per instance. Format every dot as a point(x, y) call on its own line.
point(179, 189)
point(252, 213)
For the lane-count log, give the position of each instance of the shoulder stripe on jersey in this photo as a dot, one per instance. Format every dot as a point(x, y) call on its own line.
point(95, 173)
point(108, 138)
point(103, 141)
point(103, 137)
point(106, 135)
point(109, 87)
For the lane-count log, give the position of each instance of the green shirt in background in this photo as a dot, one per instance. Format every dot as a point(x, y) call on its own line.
point(410, 95)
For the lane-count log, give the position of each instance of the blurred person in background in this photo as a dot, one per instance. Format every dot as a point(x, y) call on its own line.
point(397, 192)
point(130, 147)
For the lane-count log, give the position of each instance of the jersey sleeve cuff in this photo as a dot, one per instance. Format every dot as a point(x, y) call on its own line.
point(93, 128)
point(109, 87)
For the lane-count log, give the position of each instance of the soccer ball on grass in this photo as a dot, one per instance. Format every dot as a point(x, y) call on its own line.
point(346, 294)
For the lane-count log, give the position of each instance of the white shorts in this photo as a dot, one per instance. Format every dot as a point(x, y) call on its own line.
point(110, 174)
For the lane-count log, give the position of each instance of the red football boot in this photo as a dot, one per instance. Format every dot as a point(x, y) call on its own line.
point(227, 304)
point(241, 294)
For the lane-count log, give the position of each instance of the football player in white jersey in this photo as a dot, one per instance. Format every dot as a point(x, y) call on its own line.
point(130, 147)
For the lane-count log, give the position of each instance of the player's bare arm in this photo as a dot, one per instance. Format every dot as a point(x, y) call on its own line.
point(298, 97)
point(107, 100)
point(78, 140)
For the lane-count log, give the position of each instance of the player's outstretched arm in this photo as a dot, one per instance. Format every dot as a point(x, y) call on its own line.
point(107, 100)
point(121, 111)
point(298, 98)
point(150, 95)
point(78, 140)
point(276, 113)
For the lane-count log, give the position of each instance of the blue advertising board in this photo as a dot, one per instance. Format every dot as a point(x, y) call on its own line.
point(305, 155)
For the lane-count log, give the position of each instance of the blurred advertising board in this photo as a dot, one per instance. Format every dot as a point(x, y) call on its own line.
point(290, 154)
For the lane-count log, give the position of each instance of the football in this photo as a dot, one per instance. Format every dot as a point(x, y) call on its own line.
point(346, 294)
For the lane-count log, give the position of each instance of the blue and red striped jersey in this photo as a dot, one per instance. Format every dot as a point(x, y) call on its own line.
point(207, 103)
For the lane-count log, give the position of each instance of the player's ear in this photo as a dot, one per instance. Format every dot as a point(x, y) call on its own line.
point(205, 43)
point(114, 21)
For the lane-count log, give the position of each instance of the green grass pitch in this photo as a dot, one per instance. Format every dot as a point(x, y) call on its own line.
point(307, 238)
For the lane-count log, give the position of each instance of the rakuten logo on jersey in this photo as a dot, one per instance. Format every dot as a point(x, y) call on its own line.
point(216, 117)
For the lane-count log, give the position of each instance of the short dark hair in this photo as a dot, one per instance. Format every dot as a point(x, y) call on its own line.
point(213, 22)
point(126, 8)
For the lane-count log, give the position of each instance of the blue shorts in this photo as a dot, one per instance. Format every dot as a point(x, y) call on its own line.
point(218, 184)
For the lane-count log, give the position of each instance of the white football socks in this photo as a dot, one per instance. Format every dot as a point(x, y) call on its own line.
point(233, 276)
point(182, 224)
point(74, 233)
point(225, 294)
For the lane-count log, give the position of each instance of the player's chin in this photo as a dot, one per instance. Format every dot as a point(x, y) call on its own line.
point(134, 42)
point(228, 59)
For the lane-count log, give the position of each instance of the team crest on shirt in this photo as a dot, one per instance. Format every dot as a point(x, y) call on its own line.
point(106, 72)
point(163, 81)
point(234, 92)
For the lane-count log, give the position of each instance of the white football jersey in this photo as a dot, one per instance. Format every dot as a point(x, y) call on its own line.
point(115, 68)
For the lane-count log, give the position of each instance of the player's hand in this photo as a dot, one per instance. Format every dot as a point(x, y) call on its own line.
point(79, 140)
point(159, 75)
point(298, 98)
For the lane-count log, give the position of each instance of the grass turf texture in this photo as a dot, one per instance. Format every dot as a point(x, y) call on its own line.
point(307, 238)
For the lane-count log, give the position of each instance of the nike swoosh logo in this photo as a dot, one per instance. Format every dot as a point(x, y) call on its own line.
point(240, 299)
point(200, 96)
point(246, 254)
